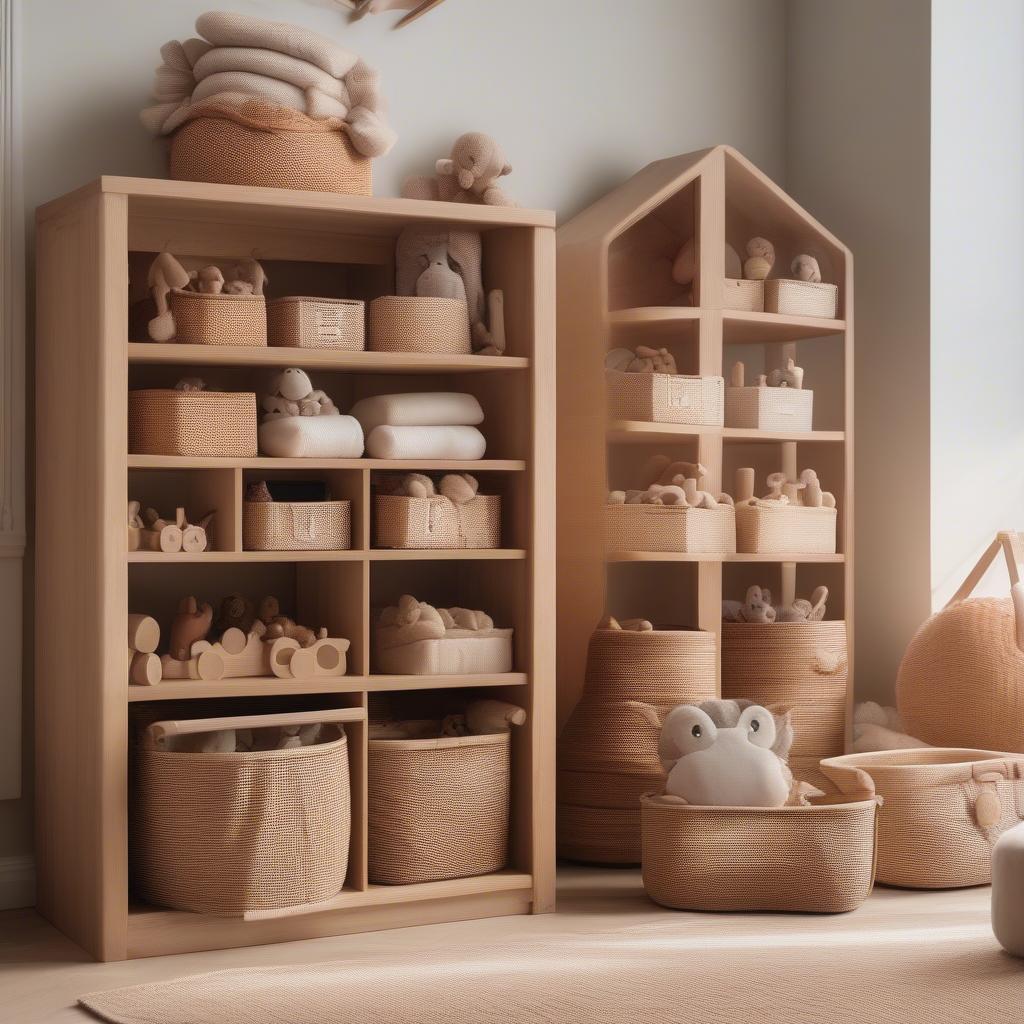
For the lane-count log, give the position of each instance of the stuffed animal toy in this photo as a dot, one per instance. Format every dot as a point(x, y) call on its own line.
point(792, 376)
point(879, 728)
point(165, 273)
point(191, 623)
point(633, 625)
point(236, 611)
point(190, 384)
point(209, 280)
point(258, 491)
point(293, 395)
point(415, 620)
point(757, 607)
point(438, 280)
point(486, 717)
point(458, 487)
point(469, 175)
point(760, 259)
point(805, 268)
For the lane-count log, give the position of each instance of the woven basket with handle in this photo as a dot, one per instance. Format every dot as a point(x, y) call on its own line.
point(772, 528)
point(800, 298)
point(436, 522)
point(296, 525)
point(666, 398)
point(297, 321)
point(165, 421)
point(202, 319)
point(642, 527)
point(759, 408)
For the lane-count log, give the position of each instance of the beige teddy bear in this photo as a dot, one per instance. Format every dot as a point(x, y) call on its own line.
point(467, 176)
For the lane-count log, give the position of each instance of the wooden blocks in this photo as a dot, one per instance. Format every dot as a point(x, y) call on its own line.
point(143, 637)
point(152, 532)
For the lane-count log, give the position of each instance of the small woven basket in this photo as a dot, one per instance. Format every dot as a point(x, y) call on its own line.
point(745, 296)
point(670, 528)
point(262, 831)
point(438, 808)
point(297, 321)
point(666, 398)
point(800, 298)
point(202, 319)
point(774, 528)
point(769, 408)
point(411, 323)
point(296, 525)
point(943, 810)
point(817, 859)
point(437, 522)
point(165, 421)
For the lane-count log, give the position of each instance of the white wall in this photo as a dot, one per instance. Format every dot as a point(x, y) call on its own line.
point(581, 93)
point(977, 316)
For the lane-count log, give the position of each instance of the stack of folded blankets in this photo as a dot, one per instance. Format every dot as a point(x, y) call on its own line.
point(423, 425)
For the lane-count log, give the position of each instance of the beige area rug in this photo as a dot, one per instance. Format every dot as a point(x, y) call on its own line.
point(680, 968)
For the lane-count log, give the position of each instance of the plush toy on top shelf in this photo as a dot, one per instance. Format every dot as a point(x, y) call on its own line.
point(469, 175)
point(293, 394)
point(805, 268)
point(643, 359)
point(760, 259)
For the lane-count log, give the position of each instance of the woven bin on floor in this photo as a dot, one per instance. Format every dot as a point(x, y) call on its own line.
point(201, 319)
point(258, 831)
point(298, 321)
point(666, 398)
point(438, 808)
point(595, 835)
point(411, 323)
point(165, 421)
point(436, 522)
point(943, 810)
point(800, 298)
point(643, 527)
point(742, 295)
point(296, 525)
point(800, 664)
point(817, 859)
point(755, 408)
point(774, 528)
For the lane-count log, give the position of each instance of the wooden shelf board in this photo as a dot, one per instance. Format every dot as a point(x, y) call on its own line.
point(378, 683)
point(745, 328)
point(788, 557)
point(446, 555)
point(685, 556)
point(643, 432)
point(319, 359)
point(654, 317)
point(265, 462)
point(183, 557)
point(775, 436)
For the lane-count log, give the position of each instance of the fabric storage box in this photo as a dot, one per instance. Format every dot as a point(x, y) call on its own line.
point(803, 665)
point(763, 528)
point(666, 398)
point(413, 323)
point(745, 296)
point(202, 319)
point(270, 832)
point(436, 522)
point(942, 810)
point(165, 421)
point(438, 808)
point(800, 298)
point(816, 859)
point(296, 525)
point(298, 321)
point(643, 527)
point(769, 408)
point(458, 652)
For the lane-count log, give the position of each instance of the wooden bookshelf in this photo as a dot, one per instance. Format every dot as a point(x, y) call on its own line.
point(92, 248)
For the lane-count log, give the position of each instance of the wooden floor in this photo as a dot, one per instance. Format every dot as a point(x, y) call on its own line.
point(42, 973)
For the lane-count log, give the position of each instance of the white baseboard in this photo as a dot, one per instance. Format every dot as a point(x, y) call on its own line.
point(17, 882)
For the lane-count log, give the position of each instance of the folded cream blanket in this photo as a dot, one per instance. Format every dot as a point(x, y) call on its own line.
point(387, 442)
point(418, 409)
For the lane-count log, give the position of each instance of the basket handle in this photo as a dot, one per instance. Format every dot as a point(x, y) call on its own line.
point(850, 780)
point(334, 716)
point(1011, 544)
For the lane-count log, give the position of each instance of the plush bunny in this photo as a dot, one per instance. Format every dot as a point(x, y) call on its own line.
point(165, 273)
point(756, 608)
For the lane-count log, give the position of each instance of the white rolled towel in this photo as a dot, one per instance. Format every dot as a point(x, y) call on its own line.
point(312, 437)
point(418, 409)
point(437, 442)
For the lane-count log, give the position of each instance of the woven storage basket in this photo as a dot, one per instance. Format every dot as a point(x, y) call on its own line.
point(437, 522)
point(165, 421)
point(670, 528)
point(666, 398)
point(943, 810)
point(769, 408)
point(271, 147)
point(438, 808)
point(800, 298)
point(773, 529)
point(202, 319)
point(746, 296)
point(800, 664)
point(258, 831)
point(296, 525)
point(460, 652)
point(411, 323)
point(817, 859)
point(298, 321)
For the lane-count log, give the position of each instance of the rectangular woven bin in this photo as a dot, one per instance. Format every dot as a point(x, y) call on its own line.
point(460, 652)
point(942, 810)
point(414, 323)
point(437, 808)
point(742, 295)
point(817, 859)
point(436, 522)
point(203, 319)
point(769, 408)
point(666, 398)
point(801, 298)
point(165, 421)
point(772, 529)
point(235, 833)
point(670, 528)
point(296, 525)
point(298, 321)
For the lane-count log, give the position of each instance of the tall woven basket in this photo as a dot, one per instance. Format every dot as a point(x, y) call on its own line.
point(438, 808)
point(801, 664)
point(607, 753)
point(943, 810)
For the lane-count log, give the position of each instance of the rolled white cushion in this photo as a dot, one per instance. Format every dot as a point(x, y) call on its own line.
point(312, 437)
point(387, 442)
point(419, 409)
